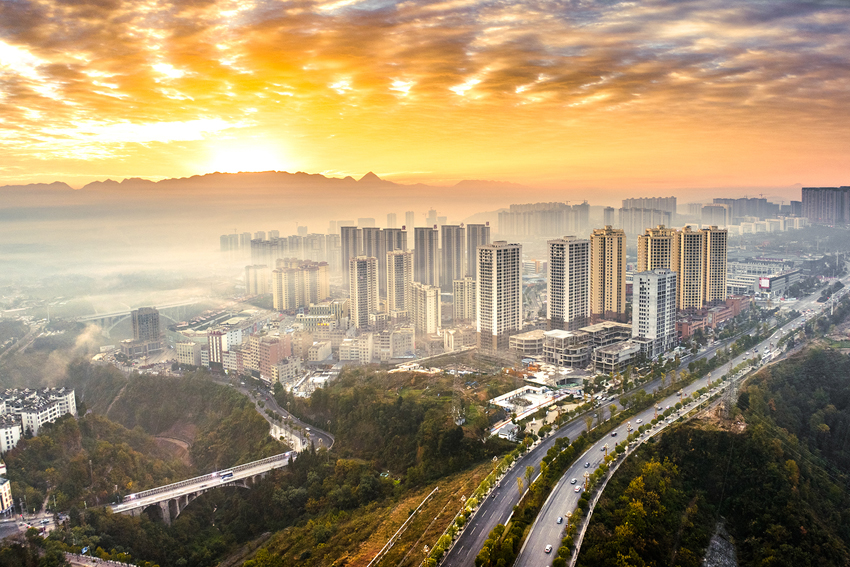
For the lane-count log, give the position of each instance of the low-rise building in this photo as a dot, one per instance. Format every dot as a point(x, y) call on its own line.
point(287, 370)
point(188, 352)
point(570, 349)
point(614, 358)
point(6, 503)
point(10, 432)
point(527, 344)
point(319, 351)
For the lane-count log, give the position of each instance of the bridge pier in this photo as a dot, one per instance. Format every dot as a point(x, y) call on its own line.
point(165, 508)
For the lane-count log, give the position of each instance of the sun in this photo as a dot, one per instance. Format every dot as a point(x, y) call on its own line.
point(236, 156)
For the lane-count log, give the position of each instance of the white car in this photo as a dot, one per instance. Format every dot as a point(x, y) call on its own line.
point(573, 481)
point(639, 421)
point(548, 549)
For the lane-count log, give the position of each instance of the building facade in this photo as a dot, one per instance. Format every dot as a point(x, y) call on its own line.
point(499, 295)
point(463, 296)
point(426, 268)
point(568, 283)
point(452, 255)
point(654, 311)
point(363, 288)
point(608, 274)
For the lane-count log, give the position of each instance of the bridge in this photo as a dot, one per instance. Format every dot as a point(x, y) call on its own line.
point(109, 320)
point(173, 498)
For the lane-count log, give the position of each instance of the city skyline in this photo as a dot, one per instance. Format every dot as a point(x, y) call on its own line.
point(620, 97)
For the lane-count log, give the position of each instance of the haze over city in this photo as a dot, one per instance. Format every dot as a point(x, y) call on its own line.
point(427, 283)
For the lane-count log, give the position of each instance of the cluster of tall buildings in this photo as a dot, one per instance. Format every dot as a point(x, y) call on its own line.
point(827, 205)
point(544, 219)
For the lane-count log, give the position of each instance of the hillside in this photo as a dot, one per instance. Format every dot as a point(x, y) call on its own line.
point(81, 462)
point(780, 485)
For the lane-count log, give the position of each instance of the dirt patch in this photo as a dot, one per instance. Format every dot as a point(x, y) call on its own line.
point(176, 448)
point(185, 432)
point(715, 419)
point(177, 440)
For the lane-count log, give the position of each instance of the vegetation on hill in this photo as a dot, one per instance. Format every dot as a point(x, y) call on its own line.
point(781, 484)
point(87, 462)
point(229, 429)
point(400, 422)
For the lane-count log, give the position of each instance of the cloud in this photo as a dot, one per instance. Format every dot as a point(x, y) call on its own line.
point(112, 71)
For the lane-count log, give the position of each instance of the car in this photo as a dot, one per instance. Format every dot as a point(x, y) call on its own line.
point(494, 495)
point(614, 434)
point(548, 549)
point(587, 465)
point(578, 488)
point(639, 421)
point(573, 481)
point(560, 520)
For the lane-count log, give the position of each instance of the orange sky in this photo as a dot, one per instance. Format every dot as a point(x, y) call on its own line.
point(620, 96)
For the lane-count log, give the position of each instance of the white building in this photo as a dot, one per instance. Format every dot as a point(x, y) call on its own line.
point(319, 351)
point(463, 298)
point(399, 280)
point(363, 286)
point(499, 296)
point(568, 284)
point(188, 353)
point(427, 310)
point(10, 432)
point(33, 408)
point(654, 311)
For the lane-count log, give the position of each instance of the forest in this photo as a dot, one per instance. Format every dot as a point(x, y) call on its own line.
point(780, 485)
point(388, 447)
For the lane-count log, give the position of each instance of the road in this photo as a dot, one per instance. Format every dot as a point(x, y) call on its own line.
point(496, 510)
point(563, 499)
point(319, 437)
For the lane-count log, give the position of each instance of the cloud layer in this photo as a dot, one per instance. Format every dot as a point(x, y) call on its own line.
point(582, 92)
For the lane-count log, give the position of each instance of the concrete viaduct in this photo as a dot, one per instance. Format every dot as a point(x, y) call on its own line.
point(173, 498)
point(108, 320)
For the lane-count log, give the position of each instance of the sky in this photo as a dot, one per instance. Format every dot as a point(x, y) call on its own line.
point(647, 95)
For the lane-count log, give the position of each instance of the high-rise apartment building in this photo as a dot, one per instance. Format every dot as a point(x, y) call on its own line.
point(463, 294)
point(392, 220)
point(688, 264)
point(568, 284)
point(826, 205)
point(425, 256)
point(409, 220)
point(371, 242)
point(390, 240)
point(655, 249)
point(608, 216)
point(654, 311)
point(363, 288)
point(145, 324)
point(350, 247)
point(257, 279)
point(297, 284)
point(667, 204)
point(715, 243)
point(399, 280)
point(427, 310)
point(476, 235)
point(608, 274)
point(716, 215)
point(499, 296)
point(635, 221)
point(452, 255)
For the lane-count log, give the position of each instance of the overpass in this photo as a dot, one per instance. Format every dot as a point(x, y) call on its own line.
point(109, 320)
point(172, 499)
